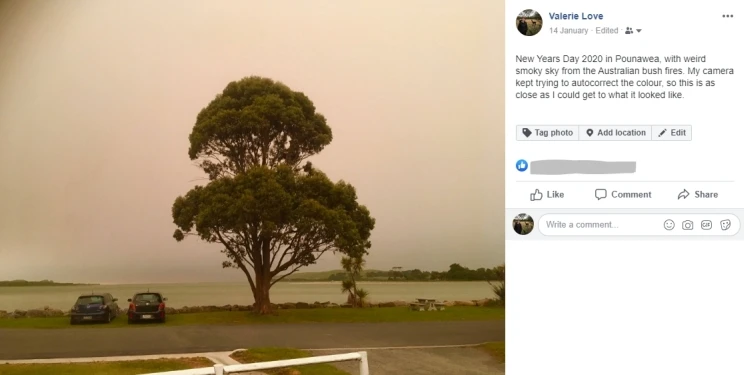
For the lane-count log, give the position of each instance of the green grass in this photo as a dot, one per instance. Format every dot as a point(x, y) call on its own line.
point(496, 350)
point(39, 283)
point(324, 315)
point(106, 368)
point(276, 354)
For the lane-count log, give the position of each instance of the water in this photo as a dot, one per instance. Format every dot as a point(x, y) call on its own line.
point(219, 294)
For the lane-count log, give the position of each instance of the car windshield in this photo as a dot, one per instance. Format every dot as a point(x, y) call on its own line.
point(149, 297)
point(88, 300)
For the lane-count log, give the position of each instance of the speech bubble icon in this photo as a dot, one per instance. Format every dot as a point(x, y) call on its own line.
point(589, 132)
point(600, 194)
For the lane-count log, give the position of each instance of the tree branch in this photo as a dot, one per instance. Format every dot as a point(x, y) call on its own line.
point(237, 258)
point(280, 239)
point(238, 245)
point(285, 275)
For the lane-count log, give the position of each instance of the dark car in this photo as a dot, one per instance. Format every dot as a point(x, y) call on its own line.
point(101, 307)
point(147, 306)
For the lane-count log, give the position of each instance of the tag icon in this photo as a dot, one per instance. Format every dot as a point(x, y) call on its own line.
point(527, 132)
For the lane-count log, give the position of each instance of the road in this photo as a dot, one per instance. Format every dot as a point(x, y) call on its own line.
point(82, 342)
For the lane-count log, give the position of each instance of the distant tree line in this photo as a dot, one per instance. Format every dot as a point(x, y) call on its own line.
point(456, 272)
point(36, 283)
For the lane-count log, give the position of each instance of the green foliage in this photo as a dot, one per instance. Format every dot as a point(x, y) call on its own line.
point(256, 121)
point(499, 285)
point(270, 215)
point(108, 368)
point(283, 316)
point(362, 296)
point(455, 273)
point(353, 265)
point(277, 354)
point(304, 214)
point(38, 283)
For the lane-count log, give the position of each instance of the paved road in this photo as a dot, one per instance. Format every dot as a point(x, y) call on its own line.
point(77, 342)
point(429, 361)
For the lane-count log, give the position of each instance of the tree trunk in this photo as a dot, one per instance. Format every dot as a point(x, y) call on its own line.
point(262, 267)
point(263, 302)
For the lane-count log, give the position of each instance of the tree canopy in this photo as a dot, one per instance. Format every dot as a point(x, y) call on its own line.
point(256, 122)
point(271, 215)
point(291, 217)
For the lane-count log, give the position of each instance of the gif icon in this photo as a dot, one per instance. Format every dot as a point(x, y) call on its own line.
point(706, 225)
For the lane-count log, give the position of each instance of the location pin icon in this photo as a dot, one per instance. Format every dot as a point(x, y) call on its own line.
point(589, 132)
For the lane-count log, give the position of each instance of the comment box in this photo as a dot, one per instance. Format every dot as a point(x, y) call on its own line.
point(638, 225)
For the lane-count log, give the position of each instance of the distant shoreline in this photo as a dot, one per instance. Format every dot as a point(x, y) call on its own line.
point(22, 283)
point(380, 281)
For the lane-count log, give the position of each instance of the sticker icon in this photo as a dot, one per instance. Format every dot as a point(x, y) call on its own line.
point(725, 224)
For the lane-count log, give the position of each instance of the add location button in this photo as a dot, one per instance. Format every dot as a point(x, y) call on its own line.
point(615, 133)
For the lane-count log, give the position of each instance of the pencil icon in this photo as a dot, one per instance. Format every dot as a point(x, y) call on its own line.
point(662, 133)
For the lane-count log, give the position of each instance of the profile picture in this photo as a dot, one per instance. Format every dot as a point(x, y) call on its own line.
point(523, 224)
point(529, 22)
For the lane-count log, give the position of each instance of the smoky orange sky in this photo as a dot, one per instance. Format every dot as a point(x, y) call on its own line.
point(98, 97)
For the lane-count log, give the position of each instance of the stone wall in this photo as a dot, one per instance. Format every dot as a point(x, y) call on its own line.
point(46, 312)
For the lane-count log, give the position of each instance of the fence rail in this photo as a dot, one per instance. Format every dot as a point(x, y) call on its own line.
point(218, 369)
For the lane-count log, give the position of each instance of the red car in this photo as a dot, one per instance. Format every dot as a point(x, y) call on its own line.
point(147, 306)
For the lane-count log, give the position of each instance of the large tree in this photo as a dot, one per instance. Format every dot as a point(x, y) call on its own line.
point(271, 215)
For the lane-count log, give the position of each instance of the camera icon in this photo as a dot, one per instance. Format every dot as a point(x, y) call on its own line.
point(706, 225)
point(687, 225)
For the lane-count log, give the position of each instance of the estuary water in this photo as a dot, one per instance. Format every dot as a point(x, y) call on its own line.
point(218, 294)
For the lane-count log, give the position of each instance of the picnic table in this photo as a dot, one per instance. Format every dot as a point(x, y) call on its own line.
point(426, 304)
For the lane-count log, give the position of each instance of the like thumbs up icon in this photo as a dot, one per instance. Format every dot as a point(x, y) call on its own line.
point(536, 196)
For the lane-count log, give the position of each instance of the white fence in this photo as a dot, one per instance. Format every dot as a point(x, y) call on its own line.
point(235, 369)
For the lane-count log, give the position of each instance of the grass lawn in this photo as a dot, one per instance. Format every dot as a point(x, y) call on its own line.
point(276, 354)
point(325, 315)
point(496, 350)
point(106, 368)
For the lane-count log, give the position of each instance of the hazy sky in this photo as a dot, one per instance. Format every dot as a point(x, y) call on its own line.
point(97, 99)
